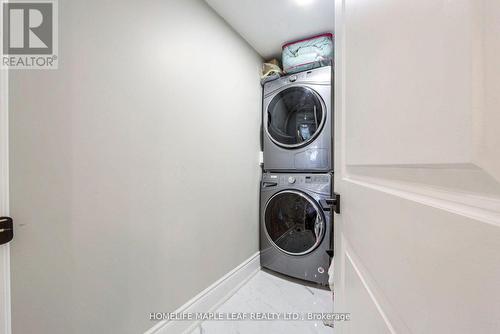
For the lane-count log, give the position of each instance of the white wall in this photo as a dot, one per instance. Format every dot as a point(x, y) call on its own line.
point(134, 167)
point(489, 117)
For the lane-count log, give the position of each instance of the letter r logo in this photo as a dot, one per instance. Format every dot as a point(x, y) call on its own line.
point(27, 28)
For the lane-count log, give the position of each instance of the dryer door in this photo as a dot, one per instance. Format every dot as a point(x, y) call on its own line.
point(295, 117)
point(294, 222)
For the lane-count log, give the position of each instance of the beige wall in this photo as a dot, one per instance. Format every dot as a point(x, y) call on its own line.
point(134, 167)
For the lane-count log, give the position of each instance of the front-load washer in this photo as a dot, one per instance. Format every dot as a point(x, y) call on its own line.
point(296, 225)
point(297, 122)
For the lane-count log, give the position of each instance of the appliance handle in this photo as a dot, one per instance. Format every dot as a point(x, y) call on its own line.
point(330, 253)
point(331, 204)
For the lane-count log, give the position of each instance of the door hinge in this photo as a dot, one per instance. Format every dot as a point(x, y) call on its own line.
point(331, 203)
point(6, 230)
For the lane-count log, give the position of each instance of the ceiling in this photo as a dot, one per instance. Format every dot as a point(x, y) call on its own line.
point(267, 24)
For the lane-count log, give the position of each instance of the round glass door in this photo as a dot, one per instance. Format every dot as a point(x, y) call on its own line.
point(295, 117)
point(294, 223)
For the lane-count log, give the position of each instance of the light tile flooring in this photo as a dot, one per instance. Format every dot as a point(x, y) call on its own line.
point(266, 292)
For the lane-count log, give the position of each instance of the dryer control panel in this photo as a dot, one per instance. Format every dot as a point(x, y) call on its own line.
point(321, 75)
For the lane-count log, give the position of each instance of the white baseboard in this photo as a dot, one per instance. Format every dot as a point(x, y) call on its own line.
point(211, 298)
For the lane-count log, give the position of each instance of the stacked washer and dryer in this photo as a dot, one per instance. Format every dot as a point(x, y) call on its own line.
point(296, 230)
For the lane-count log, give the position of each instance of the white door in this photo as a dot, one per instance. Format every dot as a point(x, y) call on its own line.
point(418, 166)
point(4, 205)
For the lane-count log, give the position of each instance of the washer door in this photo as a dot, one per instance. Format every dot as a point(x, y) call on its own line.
point(295, 117)
point(294, 222)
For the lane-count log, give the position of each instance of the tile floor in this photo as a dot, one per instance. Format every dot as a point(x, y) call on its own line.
point(266, 292)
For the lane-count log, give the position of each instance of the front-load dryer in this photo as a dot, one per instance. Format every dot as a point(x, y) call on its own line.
point(297, 122)
point(296, 226)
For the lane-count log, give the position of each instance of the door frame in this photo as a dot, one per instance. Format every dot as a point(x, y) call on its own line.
point(5, 298)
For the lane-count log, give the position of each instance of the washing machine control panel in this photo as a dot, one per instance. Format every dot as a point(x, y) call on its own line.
point(295, 179)
point(317, 179)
